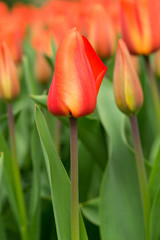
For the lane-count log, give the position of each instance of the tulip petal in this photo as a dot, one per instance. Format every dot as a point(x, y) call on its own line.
point(97, 66)
point(74, 81)
point(54, 103)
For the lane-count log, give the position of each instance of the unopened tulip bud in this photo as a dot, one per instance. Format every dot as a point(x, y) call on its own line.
point(9, 82)
point(127, 89)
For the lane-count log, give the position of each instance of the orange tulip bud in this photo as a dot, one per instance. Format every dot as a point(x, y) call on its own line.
point(141, 25)
point(127, 89)
point(78, 76)
point(9, 83)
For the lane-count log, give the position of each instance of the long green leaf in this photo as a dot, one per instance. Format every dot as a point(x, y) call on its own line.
point(11, 186)
point(35, 191)
point(1, 176)
point(2, 230)
point(1, 167)
point(30, 81)
point(90, 175)
point(155, 213)
point(121, 215)
point(59, 182)
point(154, 181)
point(8, 177)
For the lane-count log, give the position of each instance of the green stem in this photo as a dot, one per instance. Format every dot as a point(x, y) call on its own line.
point(154, 90)
point(74, 179)
point(16, 176)
point(141, 174)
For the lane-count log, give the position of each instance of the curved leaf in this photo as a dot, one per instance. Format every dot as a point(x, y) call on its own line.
point(90, 210)
point(121, 215)
point(59, 183)
point(155, 213)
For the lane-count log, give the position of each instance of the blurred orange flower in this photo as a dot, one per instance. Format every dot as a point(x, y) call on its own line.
point(98, 27)
point(141, 25)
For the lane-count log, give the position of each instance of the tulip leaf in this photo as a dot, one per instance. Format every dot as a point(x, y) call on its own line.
point(1, 168)
point(91, 134)
point(147, 117)
point(128, 141)
point(1, 175)
point(59, 182)
point(34, 210)
point(29, 78)
point(121, 214)
point(40, 99)
point(155, 213)
point(8, 177)
point(90, 210)
point(54, 51)
point(49, 61)
point(90, 175)
point(2, 231)
point(154, 181)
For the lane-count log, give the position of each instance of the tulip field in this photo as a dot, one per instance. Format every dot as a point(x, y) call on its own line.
point(80, 120)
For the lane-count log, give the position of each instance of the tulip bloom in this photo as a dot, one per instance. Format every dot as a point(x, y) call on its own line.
point(127, 89)
point(9, 83)
point(78, 76)
point(141, 25)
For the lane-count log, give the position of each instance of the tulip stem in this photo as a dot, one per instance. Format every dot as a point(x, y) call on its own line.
point(74, 179)
point(141, 174)
point(16, 176)
point(154, 90)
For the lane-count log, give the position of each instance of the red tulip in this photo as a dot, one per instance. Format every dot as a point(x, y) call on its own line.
point(141, 25)
point(78, 76)
point(9, 83)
